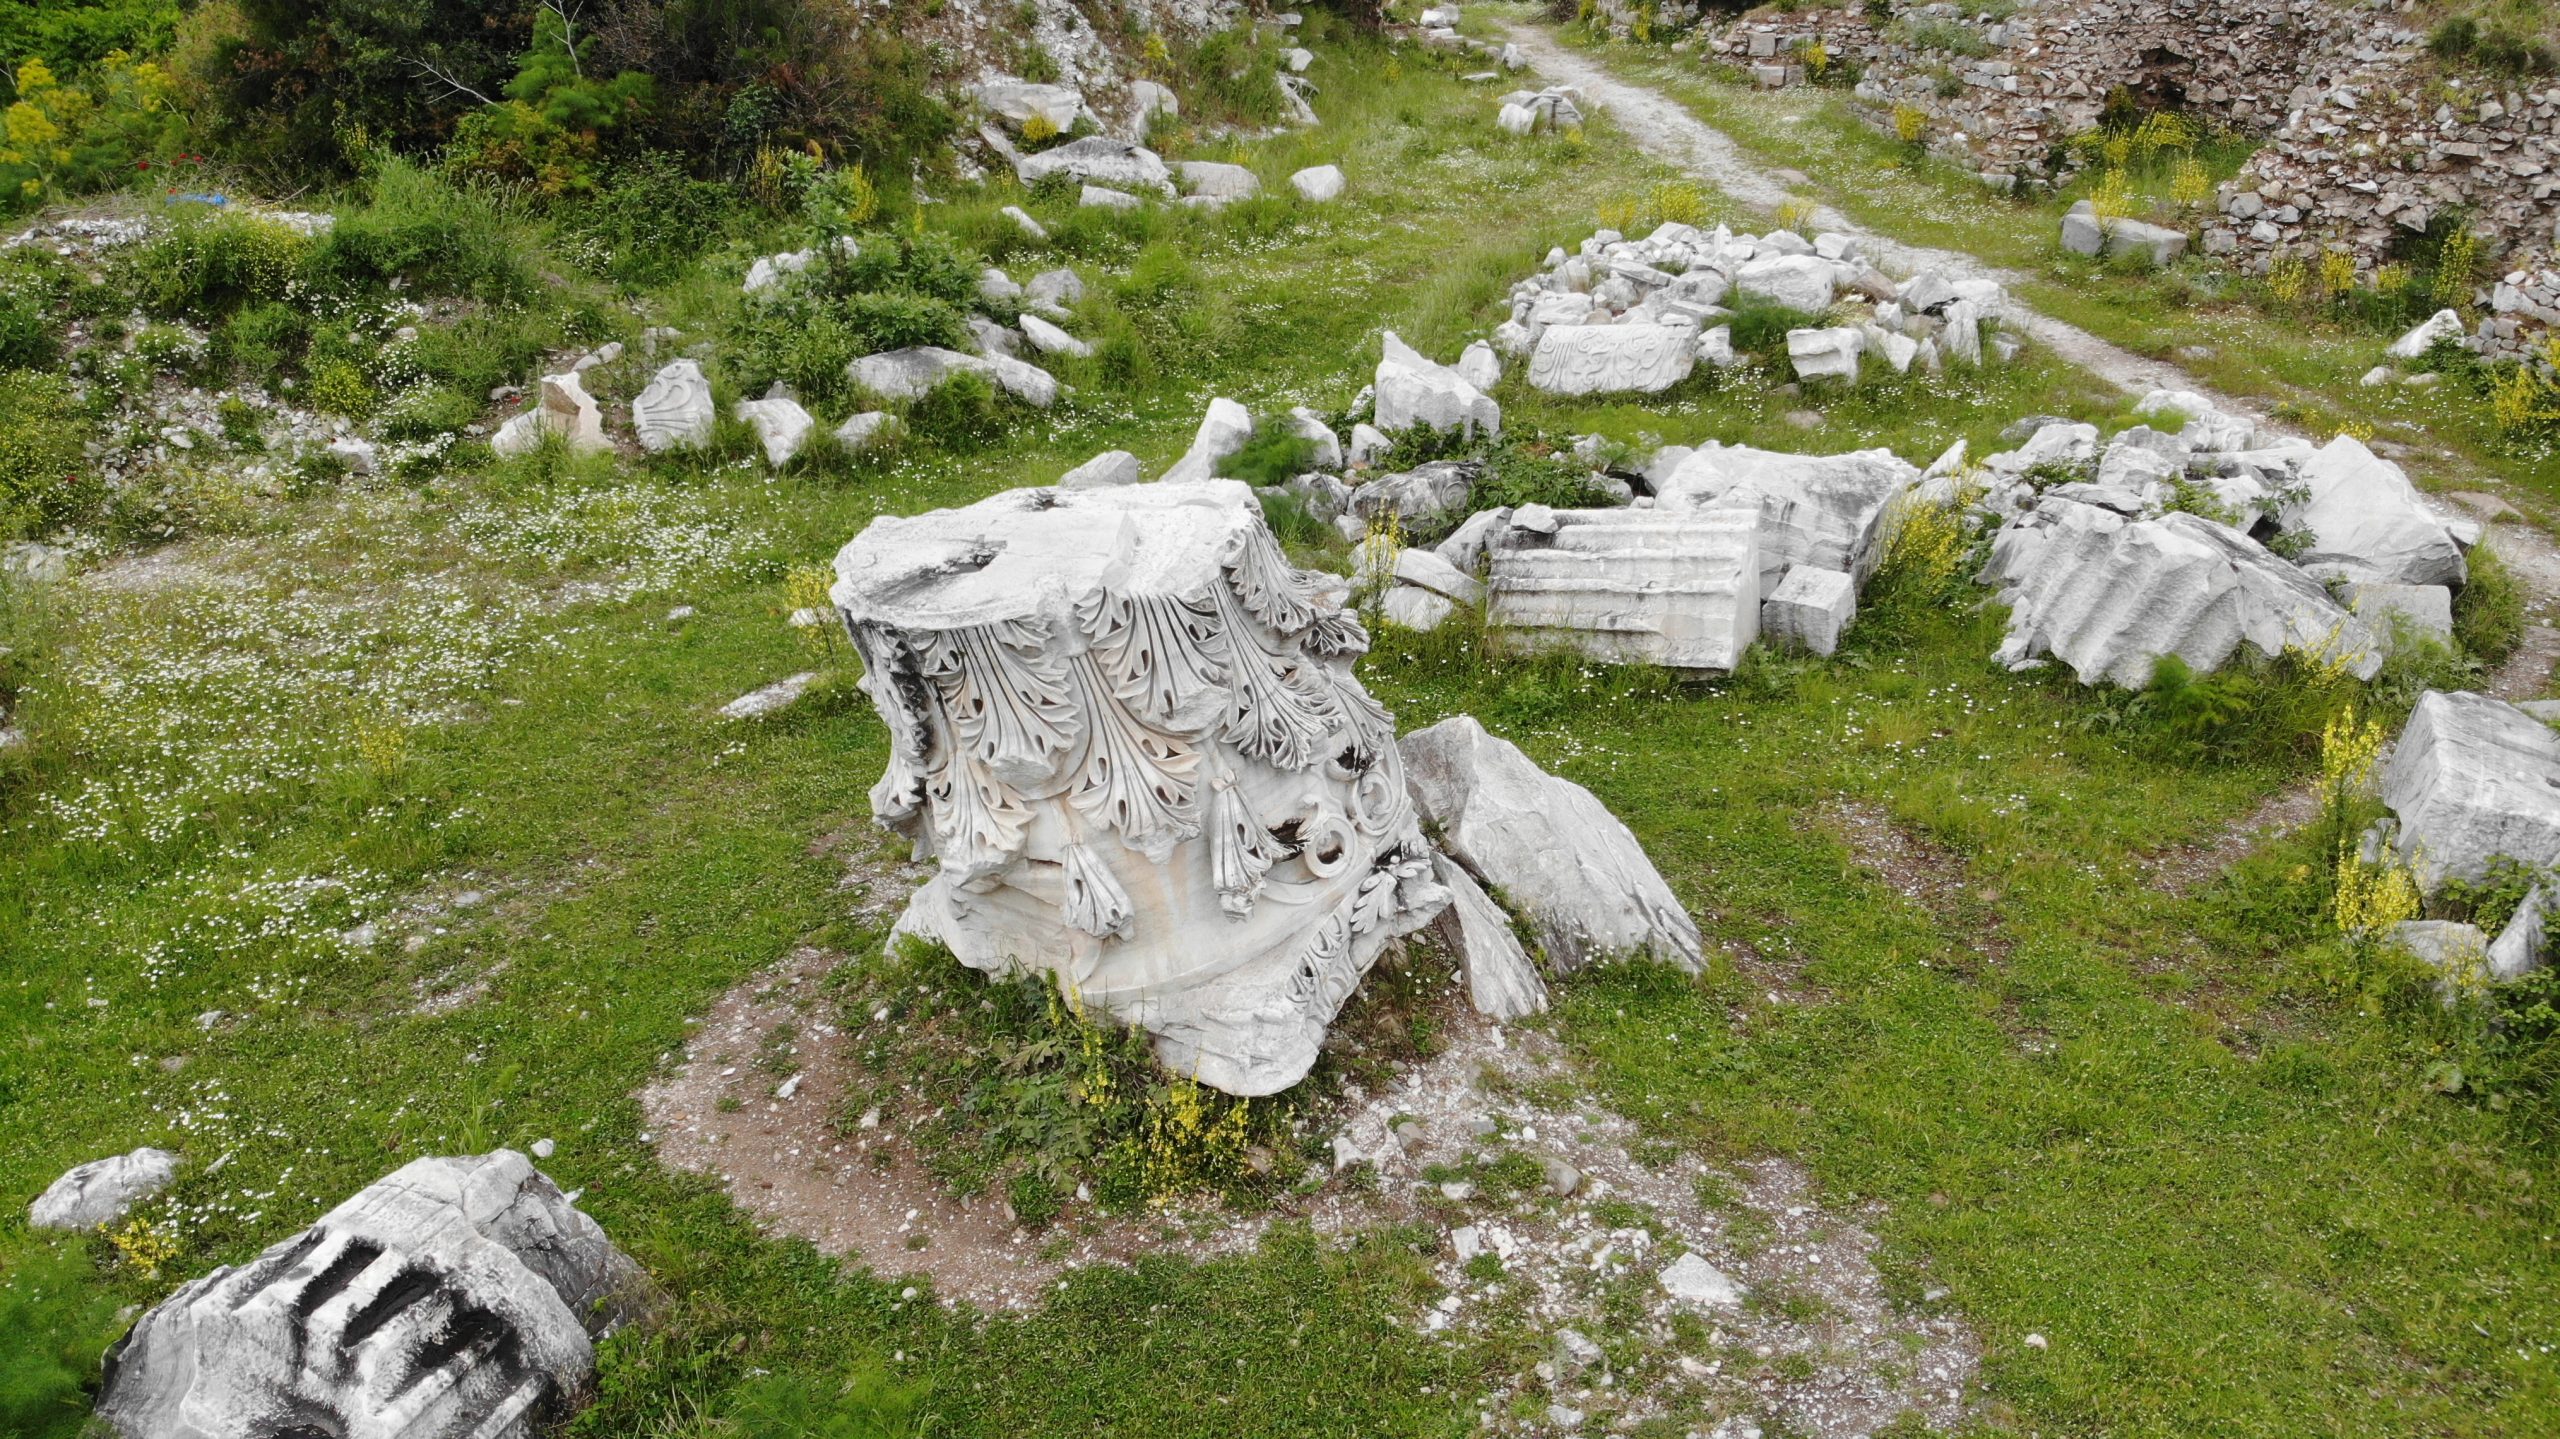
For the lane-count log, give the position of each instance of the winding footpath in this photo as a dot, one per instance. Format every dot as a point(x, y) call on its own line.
point(1664, 128)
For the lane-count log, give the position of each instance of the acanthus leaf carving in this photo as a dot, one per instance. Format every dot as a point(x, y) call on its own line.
point(1007, 692)
point(1273, 591)
point(1166, 655)
point(1277, 711)
point(1244, 853)
point(1136, 780)
point(1095, 903)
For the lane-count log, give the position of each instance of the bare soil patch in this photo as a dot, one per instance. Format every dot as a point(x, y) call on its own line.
point(1815, 1343)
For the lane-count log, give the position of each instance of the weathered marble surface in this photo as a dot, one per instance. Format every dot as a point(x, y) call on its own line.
point(2473, 778)
point(1549, 846)
point(456, 1298)
point(1612, 359)
point(1679, 588)
point(1128, 733)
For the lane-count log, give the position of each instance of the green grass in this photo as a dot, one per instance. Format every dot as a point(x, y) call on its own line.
point(2159, 1131)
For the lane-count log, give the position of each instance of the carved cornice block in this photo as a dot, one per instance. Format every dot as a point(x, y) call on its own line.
point(1127, 730)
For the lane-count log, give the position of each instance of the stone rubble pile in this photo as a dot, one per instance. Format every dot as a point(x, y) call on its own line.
point(454, 1299)
point(1639, 315)
point(2158, 545)
point(2364, 145)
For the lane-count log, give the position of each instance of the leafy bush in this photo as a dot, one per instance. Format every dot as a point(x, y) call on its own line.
point(44, 476)
point(1234, 78)
point(1272, 454)
point(26, 335)
point(556, 120)
point(1760, 326)
point(70, 38)
point(261, 340)
point(317, 85)
point(1531, 470)
point(60, 138)
point(2488, 615)
point(962, 413)
point(895, 291)
point(2453, 37)
point(207, 267)
point(1006, 1078)
point(58, 1321)
point(647, 220)
point(418, 226)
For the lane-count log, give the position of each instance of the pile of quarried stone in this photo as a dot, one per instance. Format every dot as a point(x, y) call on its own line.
point(2157, 543)
point(2196, 534)
point(1624, 315)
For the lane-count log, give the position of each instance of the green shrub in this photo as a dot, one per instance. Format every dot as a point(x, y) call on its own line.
point(72, 37)
point(1946, 36)
point(58, 1321)
point(26, 333)
point(962, 413)
point(894, 292)
point(1532, 470)
point(443, 238)
point(45, 480)
point(1233, 78)
point(1760, 326)
point(2506, 53)
point(2453, 37)
point(648, 220)
point(259, 341)
point(1272, 454)
point(69, 136)
point(2489, 613)
point(340, 388)
point(426, 411)
point(206, 267)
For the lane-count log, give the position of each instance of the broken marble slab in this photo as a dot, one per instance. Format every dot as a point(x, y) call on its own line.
point(1612, 359)
point(1502, 981)
point(1827, 511)
point(1810, 609)
point(1548, 846)
point(456, 1298)
point(2367, 524)
point(780, 425)
point(1223, 431)
point(676, 411)
point(914, 372)
point(2110, 597)
point(102, 1191)
point(2473, 779)
point(563, 408)
point(1668, 586)
point(1412, 390)
point(1104, 471)
point(1099, 160)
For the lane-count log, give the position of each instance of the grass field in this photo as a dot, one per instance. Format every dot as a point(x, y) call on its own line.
point(2177, 1136)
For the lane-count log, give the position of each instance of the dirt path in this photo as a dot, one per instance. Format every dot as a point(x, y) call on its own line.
point(1664, 128)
